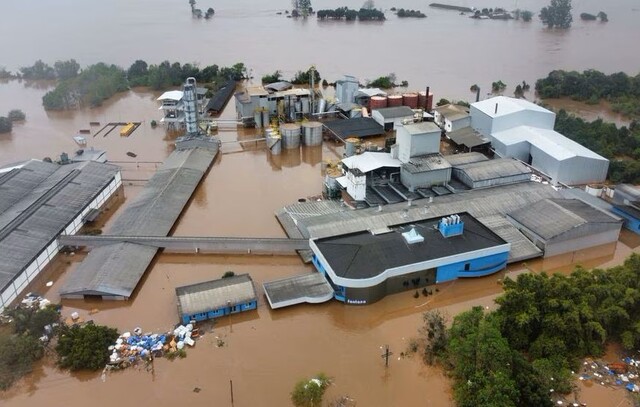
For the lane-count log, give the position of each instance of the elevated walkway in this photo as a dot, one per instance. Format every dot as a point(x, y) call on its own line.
point(182, 244)
point(310, 288)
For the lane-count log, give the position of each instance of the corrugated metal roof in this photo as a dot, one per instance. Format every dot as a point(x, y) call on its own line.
point(395, 112)
point(550, 218)
point(468, 137)
point(457, 160)
point(172, 95)
point(426, 163)
point(422, 128)
point(356, 127)
point(211, 295)
point(549, 141)
point(369, 92)
point(37, 202)
point(370, 161)
point(506, 105)
point(493, 169)
point(452, 112)
point(116, 269)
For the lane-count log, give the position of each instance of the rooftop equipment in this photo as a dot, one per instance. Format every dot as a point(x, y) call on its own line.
point(451, 226)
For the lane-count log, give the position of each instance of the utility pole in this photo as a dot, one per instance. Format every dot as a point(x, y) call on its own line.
point(231, 387)
point(386, 355)
point(312, 72)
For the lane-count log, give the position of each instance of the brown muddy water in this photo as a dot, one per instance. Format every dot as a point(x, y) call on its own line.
point(267, 351)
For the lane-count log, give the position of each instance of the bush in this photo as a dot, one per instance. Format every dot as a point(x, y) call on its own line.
point(5, 125)
point(85, 347)
point(16, 115)
point(271, 78)
point(309, 393)
point(17, 355)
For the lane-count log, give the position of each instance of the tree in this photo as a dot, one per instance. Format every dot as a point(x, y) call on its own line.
point(138, 74)
point(309, 393)
point(443, 102)
point(5, 125)
point(17, 355)
point(66, 69)
point(603, 16)
point(271, 78)
point(85, 347)
point(557, 14)
point(433, 335)
point(499, 86)
point(526, 15)
point(16, 115)
point(369, 5)
point(39, 70)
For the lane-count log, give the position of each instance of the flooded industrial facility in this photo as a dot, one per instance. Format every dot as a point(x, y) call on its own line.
point(255, 358)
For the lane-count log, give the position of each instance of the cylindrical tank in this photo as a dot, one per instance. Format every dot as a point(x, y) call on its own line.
point(394, 100)
point(410, 100)
point(322, 104)
point(422, 100)
point(265, 117)
point(298, 106)
point(350, 146)
point(378, 102)
point(312, 133)
point(257, 117)
point(305, 105)
point(274, 143)
point(429, 102)
point(290, 135)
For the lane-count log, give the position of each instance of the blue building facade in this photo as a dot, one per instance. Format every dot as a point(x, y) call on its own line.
point(631, 217)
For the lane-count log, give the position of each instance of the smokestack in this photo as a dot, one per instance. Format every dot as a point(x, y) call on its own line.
point(496, 112)
point(478, 94)
point(426, 101)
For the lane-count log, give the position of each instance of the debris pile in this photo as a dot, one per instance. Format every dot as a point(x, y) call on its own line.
point(130, 348)
point(624, 373)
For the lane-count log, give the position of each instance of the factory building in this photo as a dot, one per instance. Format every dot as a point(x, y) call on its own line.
point(216, 298)
point(39, 202)
point(289, 103)
point(451, 117)
point(392, 117)
point(491, 173)
point(560, 226)
point(417, 139)
point(626, 204)
point(172, 105)
point(425, 171)
point(363, 267)
point(346, 89)
point(365, 170)
point(523, 130)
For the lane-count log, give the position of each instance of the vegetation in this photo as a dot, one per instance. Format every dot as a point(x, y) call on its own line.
point(588, 17)
point(16, 115)
point(301, 8)
point(39, 70)
point(525, 15)
point(4, 74)
point(603, 17)
point(5, 125)
point(271, 78)
point(497, 87)
point(309, 393)
point(303, 78)
point(85, 347)
point(543, 327)
point(168, 74)
point(387, 82)
point(348, 14)
point(228, 274)
point(443, 102)
point(557, 14)
point(591, 86)
point(521, 89)
point(410, 13)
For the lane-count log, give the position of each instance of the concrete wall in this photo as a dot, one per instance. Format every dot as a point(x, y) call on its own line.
point(457, 124)
point(356, 186)
point(20, 282)
point(417, 144)
point(465, 179)
point(424, 179)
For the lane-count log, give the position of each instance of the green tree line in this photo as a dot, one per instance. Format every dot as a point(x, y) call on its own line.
point(340, 13)
point(543, 327)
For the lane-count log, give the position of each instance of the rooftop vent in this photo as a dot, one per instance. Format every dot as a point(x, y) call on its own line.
point(412, 236)
point(451, 226)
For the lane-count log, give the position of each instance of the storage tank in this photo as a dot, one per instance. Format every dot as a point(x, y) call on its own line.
point(312, 133)
point(305, 106)
point(265, 117)
point(424, 101)
point(378, 102)
point(257, 117)
point(394, 100)
point(351, 146)
point(331, 185)
point(290, 135)
point(274, 143)
point(410, 100)
point(322, 104)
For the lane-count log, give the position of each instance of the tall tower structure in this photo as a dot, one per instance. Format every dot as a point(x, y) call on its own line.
point(190, 100)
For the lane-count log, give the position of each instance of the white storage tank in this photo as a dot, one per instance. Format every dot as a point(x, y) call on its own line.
point(265, 117)
point(290, 135)
point(274, 143)
point(312, 133)
point(351, 146)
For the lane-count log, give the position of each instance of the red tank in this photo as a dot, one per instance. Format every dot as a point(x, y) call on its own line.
point(410, 100)
point(394, 100)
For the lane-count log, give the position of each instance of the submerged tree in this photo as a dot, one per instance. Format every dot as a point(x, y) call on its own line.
point(557, 14)
point(603, 16)
point(309, 393)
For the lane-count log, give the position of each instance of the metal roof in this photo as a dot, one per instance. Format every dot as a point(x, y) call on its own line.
point(369, 92)
point(549, 141)
point(311, 288)
point(221, 97)
point(279, 86)
point(212, 295)
point(493, 169)
point(172, 95)
point(550, 218)
point(424, 163)
point(468, 137)
point(357, 127)
point(115, 270)
point(395, 112)
point(370, 161)
point(422, 128)
point(452, 112)
point(506, 105)
point(364, 254)
point(37, 201)
point(457, 160)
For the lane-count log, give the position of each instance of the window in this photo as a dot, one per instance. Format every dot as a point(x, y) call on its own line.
point(467, 267)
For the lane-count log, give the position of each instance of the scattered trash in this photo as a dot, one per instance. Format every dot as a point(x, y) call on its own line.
point(49, 283)
point(75, 316)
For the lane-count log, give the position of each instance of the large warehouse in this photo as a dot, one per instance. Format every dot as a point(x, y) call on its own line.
point(364, 267)
point(40, 201)
point(523, 130)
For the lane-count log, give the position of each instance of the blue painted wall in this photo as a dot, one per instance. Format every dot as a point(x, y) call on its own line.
point(630, 222)
point(338, 293)
point(220, 312)
point(479, 267)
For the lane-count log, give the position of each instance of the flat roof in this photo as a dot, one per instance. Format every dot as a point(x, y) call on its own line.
point(422, 128)
point(363, 255)
point(357, 127)
point(395, 112)
point(506, 105)
point(215, 294)
point(425, 163)
point(369, 161)
point(115, 270)
point(172, 95)
point(457, 160)
point(452, 112)
point(468, 137)
point(550, 218)
point(310, 288)
point(493, 169)
point(369, 92)
point(37, 201)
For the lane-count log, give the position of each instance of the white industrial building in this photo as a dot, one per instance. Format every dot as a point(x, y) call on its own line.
point(39, 202)
point(392, 117)
point(451, 117)
point(417, 139)
point(257, 98)
point(358, 168)
point(523, 130)
point(346, 89)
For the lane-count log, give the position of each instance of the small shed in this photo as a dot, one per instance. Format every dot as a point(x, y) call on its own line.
point(392, 117)
point(452, 117)
point(216, 298)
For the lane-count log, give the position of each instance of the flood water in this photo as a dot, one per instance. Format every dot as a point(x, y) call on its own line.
point(267, 351)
